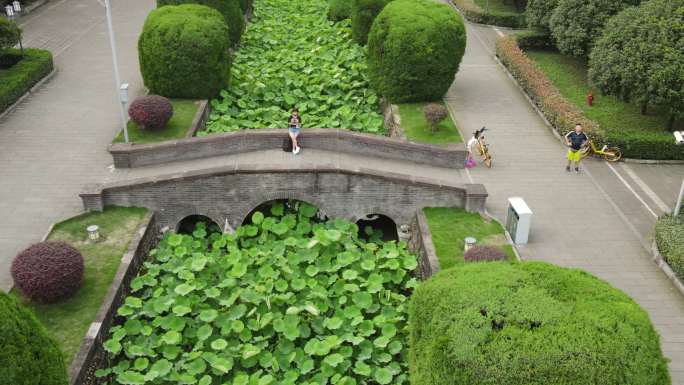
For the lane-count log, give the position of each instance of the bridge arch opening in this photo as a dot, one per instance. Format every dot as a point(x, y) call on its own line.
point(188, 224)
point(283, 207)
point(378, 225)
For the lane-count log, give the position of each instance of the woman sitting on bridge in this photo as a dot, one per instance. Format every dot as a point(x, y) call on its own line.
point(294, 124)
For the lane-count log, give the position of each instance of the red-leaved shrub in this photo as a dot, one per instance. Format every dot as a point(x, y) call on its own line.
point(48, 271)
point(151, 112)
point(484, 253)
point(434, 114)
point(560, 112)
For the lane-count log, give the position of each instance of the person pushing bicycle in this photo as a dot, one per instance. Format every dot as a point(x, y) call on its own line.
point(575, 140)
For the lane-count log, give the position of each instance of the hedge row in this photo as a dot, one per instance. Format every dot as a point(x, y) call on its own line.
point(669, 236)
point(563, 114)
point(18, 79)
point(476, 14)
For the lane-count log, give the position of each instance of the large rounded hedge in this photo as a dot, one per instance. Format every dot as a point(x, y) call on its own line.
point(27, 355)
point(230, 9)
point(363, 13)
point(183, 52)
point(414, 50)
point(529, 323)
point(339, 10)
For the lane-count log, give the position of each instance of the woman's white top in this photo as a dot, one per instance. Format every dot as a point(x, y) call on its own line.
point(471, 143)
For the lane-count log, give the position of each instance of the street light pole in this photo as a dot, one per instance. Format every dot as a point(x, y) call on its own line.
point(678, 206)
point(117, 78)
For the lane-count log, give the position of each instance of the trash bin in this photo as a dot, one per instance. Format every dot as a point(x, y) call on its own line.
point(518, 220)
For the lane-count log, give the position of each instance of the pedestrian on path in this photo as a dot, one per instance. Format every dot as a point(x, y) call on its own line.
point(575, 140)
point(294, 124)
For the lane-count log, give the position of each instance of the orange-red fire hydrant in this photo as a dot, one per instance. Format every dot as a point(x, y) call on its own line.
point(590, 98)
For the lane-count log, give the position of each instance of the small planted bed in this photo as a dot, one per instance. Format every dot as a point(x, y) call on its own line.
point(184, 112)
point(287, 299)
point(416, 127)
point(67, 321)
point(291, 55)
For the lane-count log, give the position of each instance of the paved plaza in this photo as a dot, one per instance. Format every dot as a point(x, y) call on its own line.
point(601, 220)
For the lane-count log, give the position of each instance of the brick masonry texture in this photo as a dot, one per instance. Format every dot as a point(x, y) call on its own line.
point(228, 194)
point(421, 244)
point(132, 155)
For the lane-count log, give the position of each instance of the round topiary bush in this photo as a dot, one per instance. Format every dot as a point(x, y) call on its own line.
point(183, 52)
point(28, 356)
point(339, 10)
point(151, 112)
point(480, 253)
point(414, 50)
point(529, 323)
point(363, 13)
point(230, 9)
point(48, 271)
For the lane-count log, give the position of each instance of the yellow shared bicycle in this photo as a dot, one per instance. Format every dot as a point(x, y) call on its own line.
point(611, 154)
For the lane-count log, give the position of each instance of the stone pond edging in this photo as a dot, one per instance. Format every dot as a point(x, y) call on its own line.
point(421, 244)
point(127, 155)
point(91, 355)
point(665, 267)
point(200, 119)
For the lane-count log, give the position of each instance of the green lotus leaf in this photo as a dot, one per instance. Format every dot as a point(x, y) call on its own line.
point(333, 359)
point(219, 344)
point(133, 327)
point(257, 217)
point(205, 380)
point(389, 330)
point(311, 271)
point(368, 264)
point(198, 263)
point(383, 376)
point(361, 368)
point(208, 315)
point(333, 323)
point(362, 299)
point(130, 378)
point(184, 289)
point(133, 302)
point(395, 347)
point(181, 310)
point(112, 346)
point(171, 337)
point(212, 292)
point(204, 332)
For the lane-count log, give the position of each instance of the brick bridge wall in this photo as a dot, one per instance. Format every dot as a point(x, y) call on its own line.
point(227, 195)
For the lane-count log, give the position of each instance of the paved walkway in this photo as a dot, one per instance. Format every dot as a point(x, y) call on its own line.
point(528, 162)
point(55, 141)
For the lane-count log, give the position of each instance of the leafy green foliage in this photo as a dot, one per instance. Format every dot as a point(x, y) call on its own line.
point(230, 9)
point(497, 14)
point(363, 13)
point(10, 34)
point(640, 56)
point(576, 24)
point(28, 356)
point(669, 235)
point(291, 55)
point(183, 51)
point(538, 14)
point(417, 128)
point(339, 10)
point(414, 50)
point(284, 300)
point(529, 323)
point(30, 68)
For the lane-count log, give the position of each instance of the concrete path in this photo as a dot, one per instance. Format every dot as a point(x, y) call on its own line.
point(529, 162)
point(55, 141)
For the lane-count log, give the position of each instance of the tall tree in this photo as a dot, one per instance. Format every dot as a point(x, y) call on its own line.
point(576, 24)
point(538, 14)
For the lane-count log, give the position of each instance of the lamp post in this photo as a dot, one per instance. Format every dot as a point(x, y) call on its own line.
point(117, 78)
point(678, 206)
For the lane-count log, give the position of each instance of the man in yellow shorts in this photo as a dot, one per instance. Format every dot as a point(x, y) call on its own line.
point(575, 141)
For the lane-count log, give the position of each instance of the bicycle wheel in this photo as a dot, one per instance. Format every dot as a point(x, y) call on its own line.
point(487, 160)
point(612, 154)
point(585, 152)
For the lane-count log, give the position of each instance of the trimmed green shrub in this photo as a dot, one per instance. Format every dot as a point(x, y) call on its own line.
point(183, 52)
point(246, 5)
point(28, 356)
point(10, 34)
point(476, 14)
point(339, 10)
point(534, 40)
point(230, 9)
point(29, 70)
point(363, 13)
point(669, 236)
point(414, 50)
point(575, 24)
point(529, 323)
point(538, 14)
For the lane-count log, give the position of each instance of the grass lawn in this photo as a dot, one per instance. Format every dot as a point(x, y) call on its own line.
point(417, 128)
point(570, 76)
point(68, 321)
point(183, 113)
point(449, 228)
point(496, 6)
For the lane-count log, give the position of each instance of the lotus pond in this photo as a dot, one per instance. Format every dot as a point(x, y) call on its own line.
point(287, 299)
point(291, 55)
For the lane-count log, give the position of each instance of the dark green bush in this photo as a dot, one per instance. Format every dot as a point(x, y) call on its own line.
point(18, 80)
point(28, 356)
point(529, 323)
point(669, 236)
point(339, 10)
point(183, 52)
point(414, 50)
point(534, 40)
point(538, 14)
point(476, 14)
point(230, 9)
point(10, 34)
point(246, 5)
point(363, 13)
point(644, 144)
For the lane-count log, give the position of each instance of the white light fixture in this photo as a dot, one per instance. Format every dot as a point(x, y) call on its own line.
point(93, 232)
point(679, 137)
point(468, 243)
point(16, 5)
point(9, 10)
